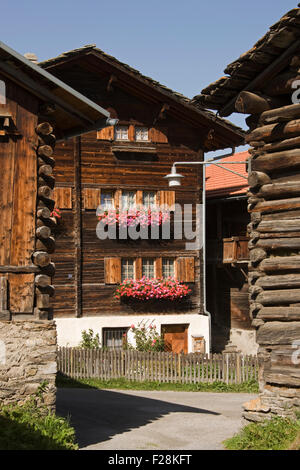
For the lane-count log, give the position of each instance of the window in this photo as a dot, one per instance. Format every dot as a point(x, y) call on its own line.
point(149, 199)
point(128, 199)
point(168, 268)
point(107, 200)
point(141, 134)
point(148, 268)
point(113, 338)
point(121, 133)
point(127, 269)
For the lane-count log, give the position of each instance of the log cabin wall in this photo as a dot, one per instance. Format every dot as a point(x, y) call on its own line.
point(263, 83)
point(25, 191)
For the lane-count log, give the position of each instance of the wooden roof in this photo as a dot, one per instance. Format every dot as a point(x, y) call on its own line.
point(74, 113)
point(252, 70)
point(225, 133)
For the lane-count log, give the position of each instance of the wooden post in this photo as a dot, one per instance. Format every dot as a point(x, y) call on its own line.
point(4, 313)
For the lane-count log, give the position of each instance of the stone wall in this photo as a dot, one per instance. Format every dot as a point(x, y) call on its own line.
point(27, 359)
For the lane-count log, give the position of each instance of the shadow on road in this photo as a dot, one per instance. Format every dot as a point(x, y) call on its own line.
point(98, 415)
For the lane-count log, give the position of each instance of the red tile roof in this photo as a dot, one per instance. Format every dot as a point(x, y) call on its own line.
point(222, 183)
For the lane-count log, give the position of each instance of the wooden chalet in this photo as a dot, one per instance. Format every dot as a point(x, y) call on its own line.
point(228, 256)
point(35, 109)
point(157, 127)
point(264, 83)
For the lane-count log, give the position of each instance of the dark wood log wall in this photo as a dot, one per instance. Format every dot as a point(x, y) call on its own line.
point(275, 242)
point(88, 164)
point(25, 197)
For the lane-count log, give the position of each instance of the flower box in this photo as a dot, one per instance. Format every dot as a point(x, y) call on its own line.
point(152, 289)
point(142, 217)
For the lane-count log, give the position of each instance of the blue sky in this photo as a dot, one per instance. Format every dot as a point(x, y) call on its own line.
point(183, 44)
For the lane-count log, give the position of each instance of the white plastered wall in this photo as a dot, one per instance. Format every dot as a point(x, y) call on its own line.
point(69, 330)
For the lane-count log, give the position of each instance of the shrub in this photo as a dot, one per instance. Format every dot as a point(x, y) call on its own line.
point(147, 338)
point(90, 340)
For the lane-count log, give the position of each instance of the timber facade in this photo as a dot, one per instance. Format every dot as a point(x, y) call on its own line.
point(29, 111)
point(262, 83)
point(156, 128)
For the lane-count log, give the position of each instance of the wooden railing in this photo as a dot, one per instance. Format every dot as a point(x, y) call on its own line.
point(156, 366)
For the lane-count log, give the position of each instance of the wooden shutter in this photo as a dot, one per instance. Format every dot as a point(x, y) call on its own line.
point(185, 269)
point(117, 197)
point(158, 136)
point(166, 198)
point(107, 133)
point(63, 198)
point(21, 293)
point(158, 267)
point(139, 198)
point(112, 268)
point(91, 198)
point(131, 133)
point(138, 268)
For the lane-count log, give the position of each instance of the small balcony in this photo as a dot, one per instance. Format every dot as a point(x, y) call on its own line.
point(235, 250)
point(228, 250)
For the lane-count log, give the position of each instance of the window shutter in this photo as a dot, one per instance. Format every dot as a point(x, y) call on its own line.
point(139, 198)
point(91, 198)
point(138, 268)
point(63, 198)
point(158, 136)
point(158, 267)
point(167, 198)
point(107, 133)
point(131, 133)
point(185, 269)
point(117, 197)
point(112, 268)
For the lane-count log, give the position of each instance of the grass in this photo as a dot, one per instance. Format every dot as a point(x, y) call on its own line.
point(124, 384)
point(26, 427)
point(275, 434)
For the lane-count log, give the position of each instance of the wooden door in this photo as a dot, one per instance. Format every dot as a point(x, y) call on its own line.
point(176, 338)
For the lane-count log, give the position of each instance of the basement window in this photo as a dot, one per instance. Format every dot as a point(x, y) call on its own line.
point(114, 338)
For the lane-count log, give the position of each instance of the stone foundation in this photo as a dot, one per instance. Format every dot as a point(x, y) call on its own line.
point(27, 359)
point(273, 401)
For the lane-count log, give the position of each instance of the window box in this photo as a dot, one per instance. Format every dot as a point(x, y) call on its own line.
point(147, 289)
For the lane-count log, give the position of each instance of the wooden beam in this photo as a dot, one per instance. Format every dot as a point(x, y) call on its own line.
point(77, 227)
point(260, 80)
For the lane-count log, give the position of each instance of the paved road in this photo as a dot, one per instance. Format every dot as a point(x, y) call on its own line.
point(137, 420)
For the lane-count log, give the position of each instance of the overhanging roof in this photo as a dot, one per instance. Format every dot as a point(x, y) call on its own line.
point(74, 113)
point(226, 134)
point(253, 69)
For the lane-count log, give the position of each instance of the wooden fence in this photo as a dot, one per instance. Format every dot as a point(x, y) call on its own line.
point(156, 366)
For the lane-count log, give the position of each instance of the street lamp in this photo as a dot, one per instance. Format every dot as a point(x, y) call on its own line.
point(174, 179)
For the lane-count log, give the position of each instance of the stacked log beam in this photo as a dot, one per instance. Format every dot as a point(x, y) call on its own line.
point(274, 268)
point(45, 243)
